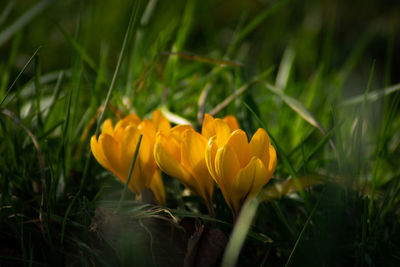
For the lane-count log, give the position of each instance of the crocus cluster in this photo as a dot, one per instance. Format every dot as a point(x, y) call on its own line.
point(221, 153)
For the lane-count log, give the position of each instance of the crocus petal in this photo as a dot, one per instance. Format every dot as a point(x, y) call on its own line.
point(238, 141)
point(131, 119)
point(146, 151)
point(211, 151)
point(227, 166)
point(170, 165)
point(232, 122)
point(157, 187)
point(222, 131)
point(111, 151)
point(98, 153)
point(248, 182)
point(193, 152)
point(160, 122)
point(272, 161)
point(259, 146)
point(208, 127)
point(128, 147)
point(107, 127)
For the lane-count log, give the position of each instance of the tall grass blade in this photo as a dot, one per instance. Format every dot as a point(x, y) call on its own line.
point(239, 233)
point(19, 74)
point(289, 261)
point(285, 67)
point(130, 171)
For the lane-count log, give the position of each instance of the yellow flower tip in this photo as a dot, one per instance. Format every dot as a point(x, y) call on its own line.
point(159, 121)
point(232, 122)
point(108, 127)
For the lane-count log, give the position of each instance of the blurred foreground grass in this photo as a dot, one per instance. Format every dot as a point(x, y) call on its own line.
point(321, 77)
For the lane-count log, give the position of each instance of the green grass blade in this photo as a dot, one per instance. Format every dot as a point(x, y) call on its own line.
point(288, 262)
point(130, 171)
point(37, 91)
point(371, 96)
point(285, 67)
point(6, 34)
point(19, 74)
point(239, 233)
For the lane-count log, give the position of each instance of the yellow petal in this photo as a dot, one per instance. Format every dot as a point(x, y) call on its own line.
point(227, 166)
point(131, 119)
point(98, 152)
point(272, 161)
point(208, 127)
point(159, 121)
point(248, 182)
point(259, 146)
point(211, 151)
point(146, 151)
point(222, 131)
point(108, 127)
point(112, 153)
point(169, 164)
point(193, 152)
point(238, 141)
point(177, 131)
point(232, 122)
point(157, 187)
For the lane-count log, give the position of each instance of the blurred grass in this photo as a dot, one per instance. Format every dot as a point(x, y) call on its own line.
point(322, 81)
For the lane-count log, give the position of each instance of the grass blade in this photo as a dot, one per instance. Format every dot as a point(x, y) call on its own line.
point(19, 74)
point(130, 171)
point(371, 96)
point(239, 233)
point(302, 232)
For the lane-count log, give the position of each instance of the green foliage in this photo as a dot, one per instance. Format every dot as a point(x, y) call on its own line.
point(320, 80)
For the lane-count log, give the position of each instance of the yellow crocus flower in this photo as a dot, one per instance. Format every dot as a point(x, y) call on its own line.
point(115, 147)
point(180, 154)
point(240, 168)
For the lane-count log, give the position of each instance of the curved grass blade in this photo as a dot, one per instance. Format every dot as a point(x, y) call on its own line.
point(299, 109)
